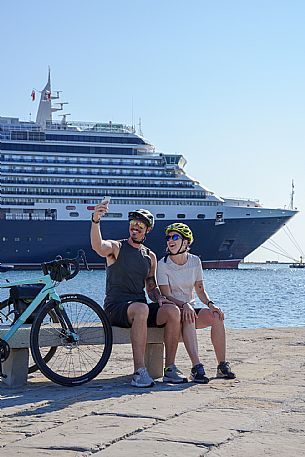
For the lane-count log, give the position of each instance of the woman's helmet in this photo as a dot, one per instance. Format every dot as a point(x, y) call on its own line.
point(142, 215)
point(182, 229)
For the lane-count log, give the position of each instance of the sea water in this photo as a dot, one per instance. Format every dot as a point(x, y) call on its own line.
point(254, 296)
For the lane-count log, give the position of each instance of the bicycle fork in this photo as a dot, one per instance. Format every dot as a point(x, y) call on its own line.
point(67, 329)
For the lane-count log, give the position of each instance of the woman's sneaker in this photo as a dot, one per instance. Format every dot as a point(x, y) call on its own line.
point(173, 375)
point(224, 371)
point(198, 374)
point(141, 378)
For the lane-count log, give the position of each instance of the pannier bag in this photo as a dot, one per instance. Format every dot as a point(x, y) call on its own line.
point(21, 297)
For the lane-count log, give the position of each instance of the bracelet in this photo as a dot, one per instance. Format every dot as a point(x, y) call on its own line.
point(210, 302)
point(92, 219)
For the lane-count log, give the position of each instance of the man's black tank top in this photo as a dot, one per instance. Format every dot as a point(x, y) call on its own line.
point(125, 278)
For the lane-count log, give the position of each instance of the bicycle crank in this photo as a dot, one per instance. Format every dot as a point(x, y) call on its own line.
point(4, 353)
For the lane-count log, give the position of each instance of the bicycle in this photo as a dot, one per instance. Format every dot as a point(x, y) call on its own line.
point(70, 335)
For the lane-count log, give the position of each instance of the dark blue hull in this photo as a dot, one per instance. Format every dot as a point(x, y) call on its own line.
point(222, 246)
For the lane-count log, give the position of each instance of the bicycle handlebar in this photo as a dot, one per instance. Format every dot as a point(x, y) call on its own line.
point(60, 269)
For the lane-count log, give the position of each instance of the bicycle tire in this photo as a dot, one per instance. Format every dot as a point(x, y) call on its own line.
point(74, 363)
point(33, 366)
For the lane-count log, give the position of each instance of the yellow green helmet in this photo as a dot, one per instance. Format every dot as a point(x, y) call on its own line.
point(182, 229)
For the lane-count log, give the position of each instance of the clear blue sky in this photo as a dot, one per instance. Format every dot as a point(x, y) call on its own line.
point(221, 82)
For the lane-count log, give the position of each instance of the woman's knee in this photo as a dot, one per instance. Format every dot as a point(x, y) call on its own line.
point(208, 319)
point(172, 312)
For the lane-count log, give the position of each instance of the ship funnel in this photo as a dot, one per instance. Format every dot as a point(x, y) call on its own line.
point(44, 113)
point(45, 109)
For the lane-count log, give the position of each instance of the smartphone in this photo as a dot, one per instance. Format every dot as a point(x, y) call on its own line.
point(106, 200)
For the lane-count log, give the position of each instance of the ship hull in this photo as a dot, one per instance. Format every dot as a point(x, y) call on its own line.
point(29, 243)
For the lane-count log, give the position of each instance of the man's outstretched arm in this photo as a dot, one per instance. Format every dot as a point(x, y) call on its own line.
point(102, 247)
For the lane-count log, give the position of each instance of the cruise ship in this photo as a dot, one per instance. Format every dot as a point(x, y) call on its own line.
point(53, 173)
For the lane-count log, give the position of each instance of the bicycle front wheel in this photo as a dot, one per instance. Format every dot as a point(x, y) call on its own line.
point(48, 353)
point(82, 336)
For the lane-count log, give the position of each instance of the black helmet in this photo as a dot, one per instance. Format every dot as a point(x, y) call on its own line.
point(142, 215)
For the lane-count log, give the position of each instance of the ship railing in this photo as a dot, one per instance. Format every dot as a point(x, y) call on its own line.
point(11, 132)
point(31, 126)
point(76, 181)
point(27, 217)
point(90, 126)
point(242, 201)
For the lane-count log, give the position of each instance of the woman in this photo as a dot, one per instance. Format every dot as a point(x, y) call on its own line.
point(179, 274)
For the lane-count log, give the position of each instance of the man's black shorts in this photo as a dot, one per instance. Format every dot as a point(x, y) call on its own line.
point(117, 314)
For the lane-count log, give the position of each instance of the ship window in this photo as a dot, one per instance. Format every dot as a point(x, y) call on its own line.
point(70, 208)
point(200, 216)
point(160, 216)
point(113, 215)
point(16, 238)
point(39, 238)
point(4, 238)
point(74, 214)
point(90, 208)
point(181, 216)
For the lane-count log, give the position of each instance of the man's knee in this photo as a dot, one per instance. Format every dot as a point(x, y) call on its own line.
point(137, 311)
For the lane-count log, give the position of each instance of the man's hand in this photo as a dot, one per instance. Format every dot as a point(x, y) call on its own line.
point(164, 301)
point(215, 309)
point(188, 313)
point(100, 210)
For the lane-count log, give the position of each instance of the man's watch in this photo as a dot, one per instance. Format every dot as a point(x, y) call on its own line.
point(92, 219)
point(210, 302)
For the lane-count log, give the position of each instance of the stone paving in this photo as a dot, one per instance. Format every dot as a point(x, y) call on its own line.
point(260, 413)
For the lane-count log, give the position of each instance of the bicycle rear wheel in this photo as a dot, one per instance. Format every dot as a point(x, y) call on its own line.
point(79, 356)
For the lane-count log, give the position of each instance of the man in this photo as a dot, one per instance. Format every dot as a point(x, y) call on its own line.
point(131, 267)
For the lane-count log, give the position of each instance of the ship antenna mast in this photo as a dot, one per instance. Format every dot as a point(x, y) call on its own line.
point(132, 121)
point(140, 126)
point(291, 206)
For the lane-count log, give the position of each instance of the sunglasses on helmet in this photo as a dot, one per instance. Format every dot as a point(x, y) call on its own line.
point(140, 224)
point(174, 237)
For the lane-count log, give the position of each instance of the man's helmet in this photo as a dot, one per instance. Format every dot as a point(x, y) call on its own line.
point(182, 229)
point(142, 215)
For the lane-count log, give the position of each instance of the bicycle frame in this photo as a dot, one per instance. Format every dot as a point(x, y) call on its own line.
point(47, 291)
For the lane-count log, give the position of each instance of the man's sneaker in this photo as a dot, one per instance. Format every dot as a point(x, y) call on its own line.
point(198, 374)
point(141, 378)
point(224, 371)
point(173, 375)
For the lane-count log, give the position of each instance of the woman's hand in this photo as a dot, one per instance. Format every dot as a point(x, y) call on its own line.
point(215, 309)
point(188, 313)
